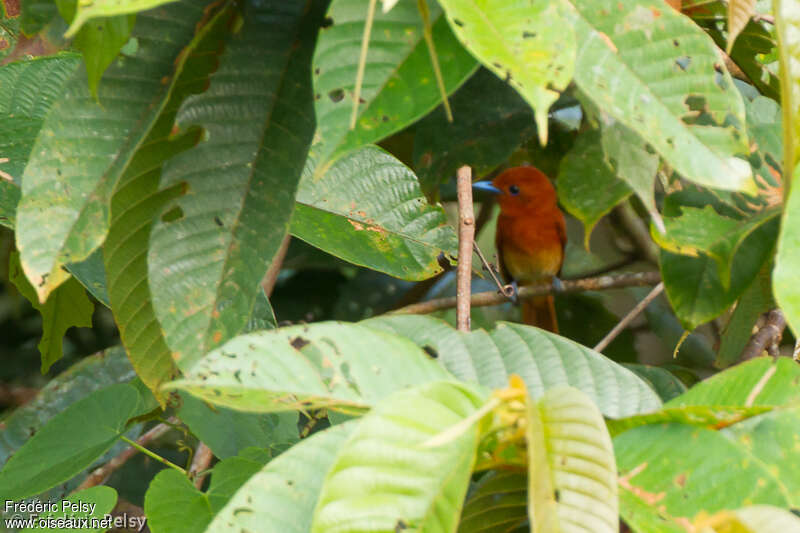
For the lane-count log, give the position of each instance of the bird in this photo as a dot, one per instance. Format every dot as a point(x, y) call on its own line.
point(530, 238)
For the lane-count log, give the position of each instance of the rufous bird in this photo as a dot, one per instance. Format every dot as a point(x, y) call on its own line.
point(531, 235)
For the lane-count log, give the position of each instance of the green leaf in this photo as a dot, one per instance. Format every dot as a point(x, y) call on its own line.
point(100, 41)
point(172, 504)
point(135, 202)
point(693, 285)
point(704, 231)
point(205, 262)
point(786, 274)
point(572, 477)
point(634, 163)
point(588, 188)
point(787, 25)
point(281, 497)
point(761, 519)
point(498, 503)
point(66, 307)
point(368, 209)
point(739, 13)
point(671, 96)
point(91, 273)
point(668, 474)
point(664, 382)
point(276, 431)
point(346, 367)
point(78, 381)
point(707, 416)
point(529, 44)
point(759, 382)
point(399, 84)
point(76, 508)
point(415, 485)
point(69, 442)
point(482, 136)
point(85, 146)
point(9, 198)
point(543, 360)
point(41, 80)
point(755, 301)
point(107, 9)
point(9, 27)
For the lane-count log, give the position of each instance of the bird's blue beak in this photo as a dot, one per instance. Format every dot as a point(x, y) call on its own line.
point(486, 186)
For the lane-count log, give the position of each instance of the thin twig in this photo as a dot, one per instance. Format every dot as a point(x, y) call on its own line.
point(99, 475)
point(466, 236)
point(202, 458)
point(482, 299)
point(269, 279)
point(627, 319)
point(152, 455)
point(427, 32)
point(507, 290)
point(767, 338)
point(362, 62)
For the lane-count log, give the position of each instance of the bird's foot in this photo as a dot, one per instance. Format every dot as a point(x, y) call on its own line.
point(558, 285)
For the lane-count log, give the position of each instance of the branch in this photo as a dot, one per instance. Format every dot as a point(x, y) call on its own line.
point(102, 473)
point(627, 319)
point(637, 231)
point(202, 458)
point(269, 279)
point(481, 299)
point(768, 336)
point(466, 236)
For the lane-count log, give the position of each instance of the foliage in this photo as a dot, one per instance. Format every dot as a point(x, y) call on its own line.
point(244, 191)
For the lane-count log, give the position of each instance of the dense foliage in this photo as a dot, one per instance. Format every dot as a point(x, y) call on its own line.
point(156, 157)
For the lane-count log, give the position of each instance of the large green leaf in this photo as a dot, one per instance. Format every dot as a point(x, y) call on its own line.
point(66, 307)
point(587, 186)
point(85, 146)
point(669, 476)
point(755, 301)
point(542, 359)
point(572, 477)
point(490, 121)
point(41, 81)
point(281, 497)
point(210, 248)
point(92, 504)
point(69, 442)
point(498, 503)
point(413, 483)
point(344, 366)
point(787, 24)
point(654, 70)
point(368, 209)
point(173, 504)
point(527, 43)
point(135, 202)
point(399, 83)
point(704, 231)
point(107, 9)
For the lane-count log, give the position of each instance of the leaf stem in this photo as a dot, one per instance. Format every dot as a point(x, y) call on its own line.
point(427, 32)
point(154, 455)
point(362, 61)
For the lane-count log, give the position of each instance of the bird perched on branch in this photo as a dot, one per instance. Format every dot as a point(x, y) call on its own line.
point(530, 237)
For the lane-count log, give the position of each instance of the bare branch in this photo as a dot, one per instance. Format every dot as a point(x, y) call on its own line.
point(627, 319)
point(768, 337)
point(202, 458)
point(269, 279)
point(482, 299)
point(507, 290)
point(466, 236)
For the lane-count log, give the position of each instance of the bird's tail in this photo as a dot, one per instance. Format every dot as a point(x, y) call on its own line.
point(540, 312)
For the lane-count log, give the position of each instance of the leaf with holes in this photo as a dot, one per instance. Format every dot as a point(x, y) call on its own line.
point(572, 477)
point(85, 146)
point(281, 497)
point(136, 200)
point(345, 367)
point(420, 486)
point(704, 231)
point(399, 84)
point(543, 360)
point(587, 186)
point(209, 248)
point(630, 65)
point(368, 209)
point(527, 43)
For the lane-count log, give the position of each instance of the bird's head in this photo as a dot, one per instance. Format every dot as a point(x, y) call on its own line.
point(520, 190)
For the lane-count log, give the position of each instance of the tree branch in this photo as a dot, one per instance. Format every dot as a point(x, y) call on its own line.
point(627, 319)
point(466, 236)
point(767, 337)
point(269, 279)
point(202, 458)
point(482, 299)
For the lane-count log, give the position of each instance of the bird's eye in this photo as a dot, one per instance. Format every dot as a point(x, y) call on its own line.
point(514, 190)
